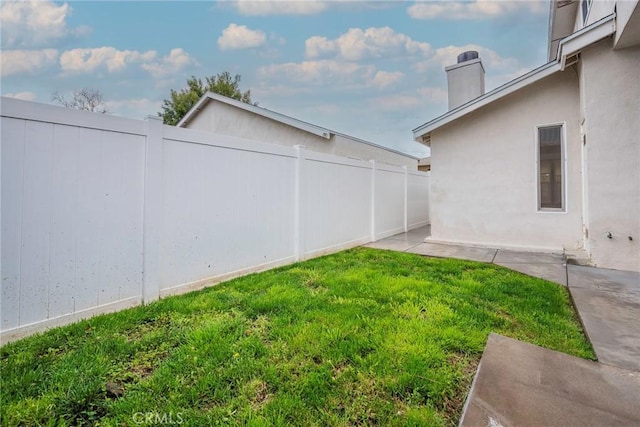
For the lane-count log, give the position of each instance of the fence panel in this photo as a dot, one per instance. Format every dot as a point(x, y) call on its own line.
point(100, 213)
point(389, 201)
point(336, 203)
point(71, 219)
point(225, 210)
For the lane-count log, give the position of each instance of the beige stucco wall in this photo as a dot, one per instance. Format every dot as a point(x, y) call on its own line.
point(611, 109)
point(229, 120)
point(483, 176)
point(349, 148)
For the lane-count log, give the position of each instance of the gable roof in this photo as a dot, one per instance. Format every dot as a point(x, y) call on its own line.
point(568, 49)
point(272, 115)
point(299, 124)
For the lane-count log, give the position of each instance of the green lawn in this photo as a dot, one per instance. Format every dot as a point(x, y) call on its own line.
point(362, 337)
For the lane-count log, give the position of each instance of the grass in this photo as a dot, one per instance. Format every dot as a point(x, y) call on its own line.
point(362, 337)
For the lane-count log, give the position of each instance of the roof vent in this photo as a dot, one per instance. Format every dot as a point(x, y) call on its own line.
point(467, 56)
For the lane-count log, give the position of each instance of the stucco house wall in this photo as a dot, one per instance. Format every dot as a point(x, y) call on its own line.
point(226, 119)
point(612, 129)
point(347, 147)
point(496, 204)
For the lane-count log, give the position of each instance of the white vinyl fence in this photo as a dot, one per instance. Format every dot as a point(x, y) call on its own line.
point(101, 213)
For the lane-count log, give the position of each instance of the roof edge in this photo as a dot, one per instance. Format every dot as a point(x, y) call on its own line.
point(567, 47)
point(507, 88)
point(290, 121)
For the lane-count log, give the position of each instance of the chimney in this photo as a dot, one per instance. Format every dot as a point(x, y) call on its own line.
point(465, 79)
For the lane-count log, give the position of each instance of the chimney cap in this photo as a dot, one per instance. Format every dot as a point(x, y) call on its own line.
point(467, 56)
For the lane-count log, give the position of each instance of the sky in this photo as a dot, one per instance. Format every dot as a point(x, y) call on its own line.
point(370, 69)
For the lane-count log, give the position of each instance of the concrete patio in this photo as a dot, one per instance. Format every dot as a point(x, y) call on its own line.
point(521, 384)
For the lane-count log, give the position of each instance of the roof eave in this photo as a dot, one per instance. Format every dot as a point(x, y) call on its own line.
point(568, 47)
point(290, 121)
point(487, 98)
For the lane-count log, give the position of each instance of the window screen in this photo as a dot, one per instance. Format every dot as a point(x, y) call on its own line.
point(550, 167)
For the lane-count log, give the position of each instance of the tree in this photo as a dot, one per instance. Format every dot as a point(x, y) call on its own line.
point(81, 99)
point(180, 102)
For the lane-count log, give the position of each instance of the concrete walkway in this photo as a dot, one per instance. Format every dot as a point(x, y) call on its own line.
point(520, 384)
point(551, 267)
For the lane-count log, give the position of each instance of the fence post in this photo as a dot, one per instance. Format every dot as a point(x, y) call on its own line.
point(406, 199)
point(152, 210)
point(373, 200)
point(298, 231)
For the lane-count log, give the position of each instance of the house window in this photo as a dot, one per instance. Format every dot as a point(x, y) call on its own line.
point(551, 174)
point(585, 6)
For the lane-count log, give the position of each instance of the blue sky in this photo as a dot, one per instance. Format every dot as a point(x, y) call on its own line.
point(371, 69)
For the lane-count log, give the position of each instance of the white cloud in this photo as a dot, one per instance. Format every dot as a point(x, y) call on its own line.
point(329, 73)
point(26, 96)
point(26, 61)
point(88, 60)
point(269, 90)
point(395, 102)
point(409, 102)
point(445, 56)
point(317, 46)
point(138, 108)
point(176, 61)
point(318, 72)
point(357, 44)
point(271, 7)
point(433, 95)
point(383, 79)
point(35, 23)
point(466, 10)
point(240, 37)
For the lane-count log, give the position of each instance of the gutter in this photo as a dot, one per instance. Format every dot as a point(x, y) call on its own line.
point(568, 49)
point(290, 121)
point(280, 118)
point(487, 98)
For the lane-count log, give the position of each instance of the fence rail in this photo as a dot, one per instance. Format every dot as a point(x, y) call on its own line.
point(101, 213)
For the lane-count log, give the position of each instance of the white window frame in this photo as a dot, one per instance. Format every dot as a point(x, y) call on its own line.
point(585, 17)
point(563, 160)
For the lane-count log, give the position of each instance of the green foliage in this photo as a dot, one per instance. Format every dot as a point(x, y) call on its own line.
point(180, 102)
point(362, 337)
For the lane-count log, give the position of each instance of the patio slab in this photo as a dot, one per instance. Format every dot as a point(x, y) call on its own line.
point(520, 384)
point(416, 235)
point(556, 273)
point(454, 251)
point(608, 303)
point(516, 257)
point(392, 245)
point(602, 279)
